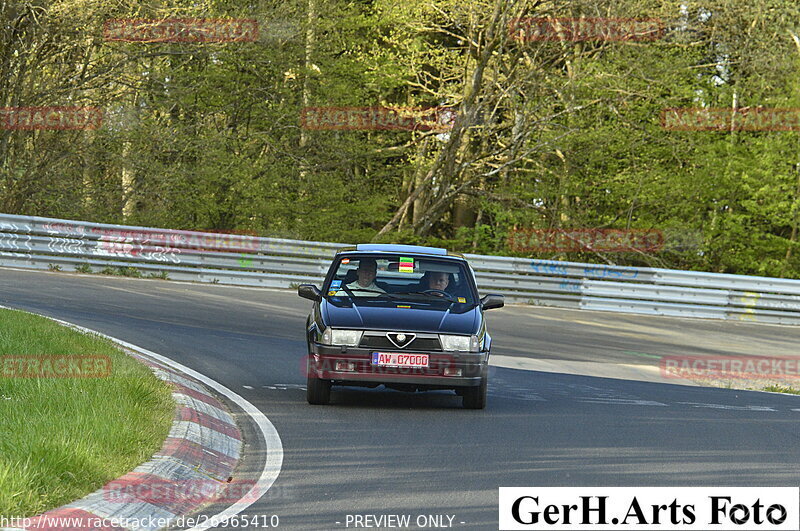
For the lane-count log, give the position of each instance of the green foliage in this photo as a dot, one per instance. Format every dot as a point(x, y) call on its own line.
point(782, 389)
point(121, 271)
point(561, 135)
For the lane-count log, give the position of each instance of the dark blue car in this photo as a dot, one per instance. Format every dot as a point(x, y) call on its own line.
point(403, 316)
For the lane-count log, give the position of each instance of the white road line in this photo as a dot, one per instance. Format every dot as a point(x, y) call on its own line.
point(625, 401)
point(724, 406)
point(274, 461)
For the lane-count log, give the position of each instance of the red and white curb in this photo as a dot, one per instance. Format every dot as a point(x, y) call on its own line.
point(201, 451)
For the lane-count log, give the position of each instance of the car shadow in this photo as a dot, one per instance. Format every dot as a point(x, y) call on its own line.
point(382, 397)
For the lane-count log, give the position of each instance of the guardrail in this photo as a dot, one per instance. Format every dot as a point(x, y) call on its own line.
point(45, 243)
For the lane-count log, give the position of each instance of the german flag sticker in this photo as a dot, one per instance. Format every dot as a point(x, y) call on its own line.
point(406, 265)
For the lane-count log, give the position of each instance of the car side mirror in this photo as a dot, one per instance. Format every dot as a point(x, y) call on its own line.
point(492, 301)
point(309, 291)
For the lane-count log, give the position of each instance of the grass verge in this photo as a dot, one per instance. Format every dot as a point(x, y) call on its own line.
point(63, 438)
point(782, 389)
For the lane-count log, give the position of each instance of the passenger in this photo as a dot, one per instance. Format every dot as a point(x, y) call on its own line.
point(367, 271)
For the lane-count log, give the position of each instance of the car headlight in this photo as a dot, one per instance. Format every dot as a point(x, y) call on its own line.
point(347, 338)
point(462, 343)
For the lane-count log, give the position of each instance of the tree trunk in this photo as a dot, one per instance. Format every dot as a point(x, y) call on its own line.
point(463, 213)
point(311, 39)
point(447, 164)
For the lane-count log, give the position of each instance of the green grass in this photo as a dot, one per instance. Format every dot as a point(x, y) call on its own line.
point(121, 271)
point(125, 271)
point(782, 389)
point(62, 438)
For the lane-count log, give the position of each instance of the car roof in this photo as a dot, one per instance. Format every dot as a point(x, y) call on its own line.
point(399, 248)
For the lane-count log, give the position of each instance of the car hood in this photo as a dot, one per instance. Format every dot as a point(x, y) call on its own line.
point(390, 317)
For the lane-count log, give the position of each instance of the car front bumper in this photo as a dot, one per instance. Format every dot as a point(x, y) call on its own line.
point(323, 360)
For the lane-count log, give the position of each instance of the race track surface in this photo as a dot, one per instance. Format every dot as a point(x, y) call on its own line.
point(386, 452)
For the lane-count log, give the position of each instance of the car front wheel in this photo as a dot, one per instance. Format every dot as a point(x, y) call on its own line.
point(318, 392)
point(475, 397)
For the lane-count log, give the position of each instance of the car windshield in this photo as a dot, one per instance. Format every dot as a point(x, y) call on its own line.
point(400, 277)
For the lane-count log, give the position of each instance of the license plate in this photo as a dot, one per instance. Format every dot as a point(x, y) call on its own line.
point(390, 359)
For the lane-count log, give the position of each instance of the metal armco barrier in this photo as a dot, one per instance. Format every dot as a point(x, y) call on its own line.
point(45, 243)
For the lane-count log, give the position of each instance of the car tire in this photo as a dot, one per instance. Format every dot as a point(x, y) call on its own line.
point(475, 397)
point(318, 392)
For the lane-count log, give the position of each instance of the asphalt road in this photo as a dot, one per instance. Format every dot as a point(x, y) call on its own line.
point(385, 452)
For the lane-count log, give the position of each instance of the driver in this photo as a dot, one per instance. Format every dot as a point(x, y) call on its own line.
point(438, 280)
point(367, 271)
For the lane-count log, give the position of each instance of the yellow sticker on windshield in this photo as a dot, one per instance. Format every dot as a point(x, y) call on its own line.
point(401, 306)
point(331, 293)
point(406, 265)
point(462, 299)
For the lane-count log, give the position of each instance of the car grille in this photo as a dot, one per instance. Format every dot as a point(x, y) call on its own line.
point(425, 344)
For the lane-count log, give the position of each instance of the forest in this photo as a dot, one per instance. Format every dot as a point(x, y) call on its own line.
point(466, 124)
